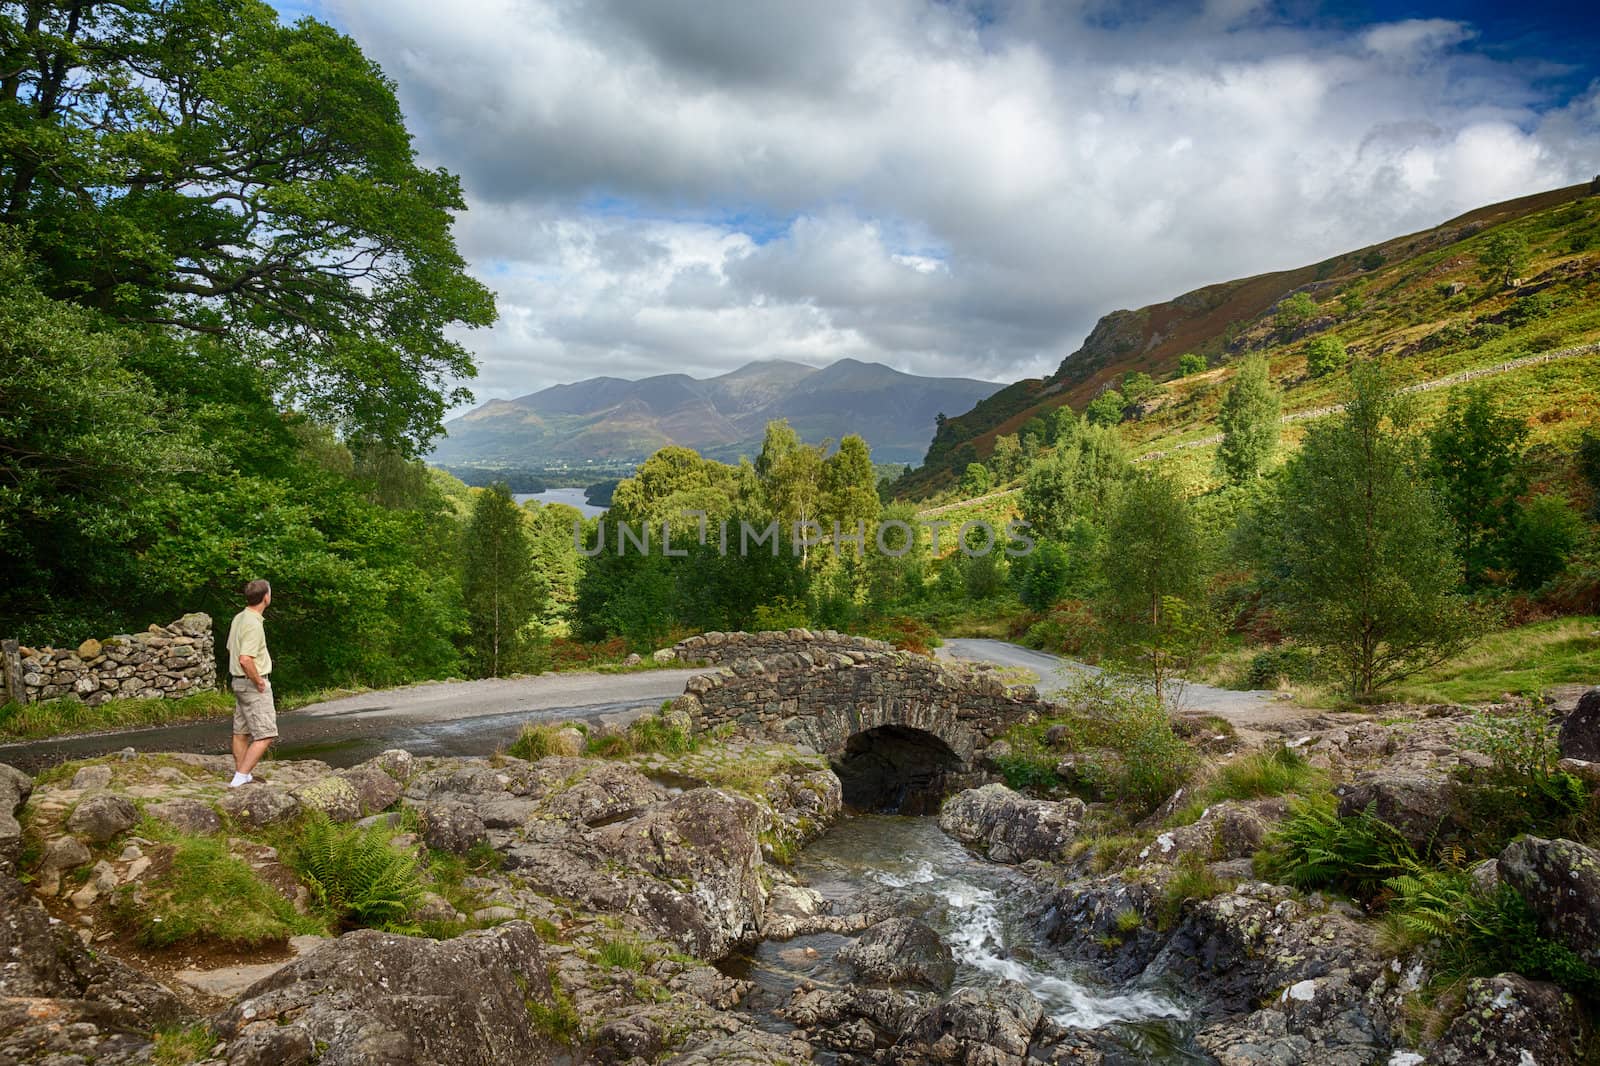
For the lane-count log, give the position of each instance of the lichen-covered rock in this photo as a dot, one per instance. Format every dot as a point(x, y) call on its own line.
point(375, 790)
point(452, 826)
point(901, 951)
point(586, 790)
point(373, 997)
point(186, 815)
point(854, 1019)
point(92, 777)
point(398, 763)
point(1580, 731)
point(1511, 1021)
point(1232, 829)
point(15, 788)
point(333, 796)
point(1011, 828)
point(1560, 879)
point(972, 1027)
point(259, 804)
point(101, 816)
point(1417, 803)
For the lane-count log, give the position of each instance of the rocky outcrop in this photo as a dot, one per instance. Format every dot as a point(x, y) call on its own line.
point(901, 951)
point(60, 1002)
point(260, 804)
point(164, 661)
point(15, 788)
point(1580, 730)
point(1011, 828)
point(1560, 880)
point(1416, 803)
point(972, 1027)
point(1511, 1021)
point(373, 997)
point(100, 816)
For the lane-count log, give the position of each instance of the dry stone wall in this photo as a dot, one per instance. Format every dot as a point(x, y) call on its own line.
point(717, 648)
point(822, 699)
point(162, 662)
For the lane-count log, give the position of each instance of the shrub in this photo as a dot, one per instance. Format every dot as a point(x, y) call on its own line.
point(1294, 312)
point(1324, 355)
point(355, 877)
point(904, 632)
point(1190, 363)
point(657, 733)
point(1315, 848)
point(1106, 409)
point(546, 738)
point(1522, 742)
point(1546, 531)
point(1530, 308)
point(1150, 761)
point(1287, 663)
point(1025, 772)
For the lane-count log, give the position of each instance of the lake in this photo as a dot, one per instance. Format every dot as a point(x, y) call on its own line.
point(570, 497)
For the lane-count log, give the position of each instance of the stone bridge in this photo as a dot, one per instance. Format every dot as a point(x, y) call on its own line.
point(901, 730)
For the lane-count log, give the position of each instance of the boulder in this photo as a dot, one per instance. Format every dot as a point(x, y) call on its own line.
point(1560, 880)
point(101, 816)
point(64, 853)
point(587, 790)
point(1580, 732)
point(89, 649)
point(972, 1027)
point(92, 777)
point(1415, 802)
point(187, 816)
point(373, 997)
point(452, 826)
point(259, 804)
point(1511, 1021)
point(334, 796)
point(901, 951)
point(398, 763)
point(15, 788)
point(375, 789)
point(1011, 828)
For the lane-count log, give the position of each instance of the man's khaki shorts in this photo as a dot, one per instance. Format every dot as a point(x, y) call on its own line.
point(253, 712)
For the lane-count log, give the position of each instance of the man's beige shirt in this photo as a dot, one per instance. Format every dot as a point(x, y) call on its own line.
point(247, 636)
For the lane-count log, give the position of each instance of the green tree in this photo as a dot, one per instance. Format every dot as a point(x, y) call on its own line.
point(672, 482)
point(897, 565)
point(1106, 409)
point(1077, 482)
point(1067, 424)
point(1325, 355)
point(1504, 256)
point(1361, 554)
point(1035, 429)
point(1250, 421)
point(1190, 363)
point(553, 546)
point(502, 592)
point(1006, 459)
point(1588, 460)
point(199, 167)
point(1477, 460)
point(790, 475)
point(1041, 577)
point(1294, 312)
point(1542, 541)
point(849, 490)
point(1138, 387)
point(1153, 572)
point(975, 482)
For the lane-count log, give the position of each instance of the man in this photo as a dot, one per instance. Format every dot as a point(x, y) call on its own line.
point(255, 719)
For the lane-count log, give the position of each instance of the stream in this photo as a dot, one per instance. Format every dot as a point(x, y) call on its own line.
point(978, 908)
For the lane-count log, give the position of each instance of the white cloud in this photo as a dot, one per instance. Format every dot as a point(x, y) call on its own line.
point(688, 184)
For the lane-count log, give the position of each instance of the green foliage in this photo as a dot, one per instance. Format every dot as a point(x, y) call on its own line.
point(1546, 531)
point(320, 254)
point(1006, 458)
point(1294, 312)
point(544, 738)
point(1138, 387)
point(1249, 419)
point(1078, 482)
point(1153, 567)
point(503, 593)
point(1131, 754)
point(621, 954)
point(1315, 848)
point(206, 895)
point(655, 733)
point(1287, 662)
point(1040, 577)
point(1478, 463)
point(1106, 409)
point(558, 1019)
point(355, 877)
point(1358, 550)
point(1190, 364)
point(1325, 355)
point(1262, 773)
point(1028, 772)
point(849, 486)
point(1521, 741)
point(182, 1045)
point(1192, 879)
point(54, 718)
point(1503, 256)
point(975, 482)
point(1588, 461)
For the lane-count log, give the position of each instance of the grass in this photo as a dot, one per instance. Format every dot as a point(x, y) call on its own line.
point(63, 717)
point(1261, 774)
point(544, 739)
point(182, 1046)
point(644, 736)
point(1523, 660)
point(1192, 880)
point(621, 954)
point(558, 1019)
point(209, 895)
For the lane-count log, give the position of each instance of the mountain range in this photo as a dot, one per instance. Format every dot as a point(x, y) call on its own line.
point(721, 417)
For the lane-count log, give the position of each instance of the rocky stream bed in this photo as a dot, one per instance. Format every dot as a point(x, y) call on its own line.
point(720, 906)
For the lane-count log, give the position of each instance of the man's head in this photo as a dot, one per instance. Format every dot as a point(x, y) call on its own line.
point(257, 593)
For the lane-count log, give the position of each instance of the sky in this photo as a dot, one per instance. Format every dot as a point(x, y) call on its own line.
point(947, 187)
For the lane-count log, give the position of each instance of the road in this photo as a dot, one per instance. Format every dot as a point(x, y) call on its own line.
point(437, 718)
point(478, 717)
point(1243, 709)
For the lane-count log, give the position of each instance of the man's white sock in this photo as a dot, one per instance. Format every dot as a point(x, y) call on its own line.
point(238, 779)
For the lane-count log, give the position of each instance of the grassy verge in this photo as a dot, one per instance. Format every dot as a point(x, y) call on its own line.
point(55, 718)
point(1523, 660)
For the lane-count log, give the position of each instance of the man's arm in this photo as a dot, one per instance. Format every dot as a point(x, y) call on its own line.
point(247, 663)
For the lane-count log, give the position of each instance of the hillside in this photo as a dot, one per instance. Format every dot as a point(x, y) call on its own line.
point(721, 417)
point(1420, 300)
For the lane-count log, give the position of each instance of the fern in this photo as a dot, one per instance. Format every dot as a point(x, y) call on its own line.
point(1316, 848)
point(354, 876)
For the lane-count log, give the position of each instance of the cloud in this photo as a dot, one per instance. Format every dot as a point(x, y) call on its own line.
point(689, 184)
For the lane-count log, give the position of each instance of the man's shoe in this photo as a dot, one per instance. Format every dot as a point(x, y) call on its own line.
point(240, 779)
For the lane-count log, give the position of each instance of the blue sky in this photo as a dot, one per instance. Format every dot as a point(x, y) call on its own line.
point(686, 185)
